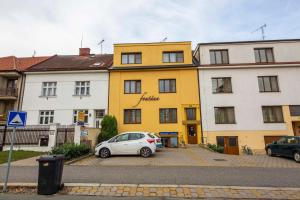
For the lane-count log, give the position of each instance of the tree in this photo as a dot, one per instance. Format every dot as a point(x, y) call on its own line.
point(109, 128)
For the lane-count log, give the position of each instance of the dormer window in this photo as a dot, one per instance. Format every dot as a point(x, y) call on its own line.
point(131, 58)
point(173, 57)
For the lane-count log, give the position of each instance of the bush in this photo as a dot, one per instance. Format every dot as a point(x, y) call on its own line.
point(71, 151)
point(109, 128)
point(216, 148)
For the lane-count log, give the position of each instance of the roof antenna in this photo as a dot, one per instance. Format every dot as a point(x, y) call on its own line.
point(262, 28)
point(165, 39)
point(34, 52)
point(101, 44)
point(81, 40)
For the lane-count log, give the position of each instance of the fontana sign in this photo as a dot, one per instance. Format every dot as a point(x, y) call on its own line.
point(146, 98)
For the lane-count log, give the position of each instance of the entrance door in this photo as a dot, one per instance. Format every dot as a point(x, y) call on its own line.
point(192, 133)
point(231, 145)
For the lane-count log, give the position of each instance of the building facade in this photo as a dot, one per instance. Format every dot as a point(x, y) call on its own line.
point(249, 91)
point(153, 87)
point(57, 89)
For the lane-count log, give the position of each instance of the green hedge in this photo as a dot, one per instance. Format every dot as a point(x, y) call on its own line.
point(71, 151)
point(216, 148)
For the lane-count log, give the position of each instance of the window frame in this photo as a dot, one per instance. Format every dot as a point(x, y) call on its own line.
point(270, 82)
point(176, 56)
point(186, 114)
point(135, 84)
point(265, 52)
point(86, 115)
point(86, 86)
point(164, 121)
point(273, 113)
point(226, 121)
point(53, 88)
point(215, 57)
point(130, 117)
point(164, 80)
point(221, 78)
point(295, 112)
point(43, 116)
point(127, 54)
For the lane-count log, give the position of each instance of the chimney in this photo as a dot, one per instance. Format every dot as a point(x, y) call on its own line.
point(84, 51)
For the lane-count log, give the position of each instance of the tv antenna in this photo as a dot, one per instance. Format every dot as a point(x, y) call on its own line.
point(81, 40)
point(262, 29)
point(34, 53)
point(101, 44)
point(165, 39)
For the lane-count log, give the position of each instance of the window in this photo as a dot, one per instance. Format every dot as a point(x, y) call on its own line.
point(131, 58)
point(132, 116)
point(221, 85)
point(232, 141)
point(86, 116)
point(190, 113)
point(220, 141)
point(173, 57)
point(295, 110)
point(122, 138)
point(136, 136)
point(82, 88)
point(268, 84)
point(167, 86)
point(272, 114)
point(48, 89)
point(46, 117)
point(132, 87)
point(99, 113)
point(224, 115)
point(219, 56)
point(264, 55)
point(168, 115)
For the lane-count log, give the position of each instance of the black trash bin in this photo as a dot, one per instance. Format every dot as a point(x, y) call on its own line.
point(50, 174)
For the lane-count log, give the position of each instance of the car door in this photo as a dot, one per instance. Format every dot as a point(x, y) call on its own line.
point(279, 147)
point(289, 147)
point(135, 142)
point(120, 145)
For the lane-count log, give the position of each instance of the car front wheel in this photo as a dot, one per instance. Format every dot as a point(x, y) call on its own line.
point(146, 152)
point(270, 152)
point(104, 153)
point(297, 156)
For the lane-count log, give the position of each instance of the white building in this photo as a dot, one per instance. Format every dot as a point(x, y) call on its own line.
point(56, 89)
point(249, 91)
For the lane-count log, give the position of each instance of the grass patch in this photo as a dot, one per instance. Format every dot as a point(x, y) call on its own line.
point(18, 155)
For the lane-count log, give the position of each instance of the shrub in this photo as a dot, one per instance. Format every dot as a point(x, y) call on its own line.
point(216, 148)
point(71, 151)
point(109, 128)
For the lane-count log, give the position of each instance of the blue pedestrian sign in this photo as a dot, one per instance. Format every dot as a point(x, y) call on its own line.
point(16, 119)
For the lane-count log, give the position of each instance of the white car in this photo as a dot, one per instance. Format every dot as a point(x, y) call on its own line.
point(128, 143)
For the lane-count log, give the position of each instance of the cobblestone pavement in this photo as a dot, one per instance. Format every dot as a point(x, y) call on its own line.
point(176, 191)
point(192, 156)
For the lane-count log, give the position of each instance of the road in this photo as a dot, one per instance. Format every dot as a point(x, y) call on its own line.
point(223, 176)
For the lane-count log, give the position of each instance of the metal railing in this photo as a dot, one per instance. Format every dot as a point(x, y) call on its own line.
point(11, 91)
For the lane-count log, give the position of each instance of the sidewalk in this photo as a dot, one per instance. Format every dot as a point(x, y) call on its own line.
point(175, 191)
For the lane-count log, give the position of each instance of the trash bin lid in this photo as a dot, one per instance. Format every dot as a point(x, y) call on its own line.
point(50, 158)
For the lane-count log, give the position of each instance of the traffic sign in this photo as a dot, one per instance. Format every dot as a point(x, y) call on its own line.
point(16, 119)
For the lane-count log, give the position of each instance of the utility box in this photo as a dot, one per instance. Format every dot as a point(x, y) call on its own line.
point(50, 174)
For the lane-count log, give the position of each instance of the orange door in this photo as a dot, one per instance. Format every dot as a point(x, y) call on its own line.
point(192, 133)
point(231, 145)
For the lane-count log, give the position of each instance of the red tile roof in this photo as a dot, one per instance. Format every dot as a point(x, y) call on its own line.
point(12, 63)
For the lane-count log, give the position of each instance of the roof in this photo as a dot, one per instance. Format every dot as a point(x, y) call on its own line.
point(152, 43)
point(74, 62)
point(250, 41)
point(10, 63)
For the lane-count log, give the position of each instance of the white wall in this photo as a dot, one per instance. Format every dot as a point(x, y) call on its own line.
point(244, 52)
point(246, 98)
point(64, 103)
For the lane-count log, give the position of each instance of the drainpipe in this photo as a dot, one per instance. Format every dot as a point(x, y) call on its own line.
point(202, 139)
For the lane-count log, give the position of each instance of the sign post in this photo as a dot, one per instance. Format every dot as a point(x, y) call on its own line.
point(14, 119)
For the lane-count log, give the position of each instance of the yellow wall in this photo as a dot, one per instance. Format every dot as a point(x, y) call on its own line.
point(186, 96)
point(152, 52)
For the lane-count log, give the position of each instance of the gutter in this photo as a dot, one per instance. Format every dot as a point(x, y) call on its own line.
point(202, 139)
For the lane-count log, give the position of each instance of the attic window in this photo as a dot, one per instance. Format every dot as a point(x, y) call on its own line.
point(98, 64)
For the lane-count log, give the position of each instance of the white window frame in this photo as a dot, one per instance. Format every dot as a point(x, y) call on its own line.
point(46, 114)
point(83, 88)
point(50, 89)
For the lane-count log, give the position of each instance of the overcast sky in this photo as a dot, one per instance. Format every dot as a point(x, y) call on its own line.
point(56, 26)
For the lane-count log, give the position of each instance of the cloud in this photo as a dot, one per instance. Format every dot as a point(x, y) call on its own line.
point(55, 26)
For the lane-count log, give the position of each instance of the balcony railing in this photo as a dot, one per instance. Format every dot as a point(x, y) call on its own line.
point(8, 92)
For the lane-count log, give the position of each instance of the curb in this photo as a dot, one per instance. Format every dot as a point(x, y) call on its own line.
point(78, 159)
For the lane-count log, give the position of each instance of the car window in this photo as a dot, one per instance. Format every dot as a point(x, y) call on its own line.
point(292, 140)
point(122, 138)
point(113, 139)
point(150, 135)
point(282, 140)
point(135, 136)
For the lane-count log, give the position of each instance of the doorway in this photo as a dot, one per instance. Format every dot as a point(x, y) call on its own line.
point(296, 127)
point(230, 144)
point(192, 133)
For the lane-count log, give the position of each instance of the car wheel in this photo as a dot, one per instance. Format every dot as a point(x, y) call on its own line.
point(104, 153)
point(270, 152)
point(297, 156)
point(146, 152)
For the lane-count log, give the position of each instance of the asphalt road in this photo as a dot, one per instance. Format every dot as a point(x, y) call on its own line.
point(223, 176)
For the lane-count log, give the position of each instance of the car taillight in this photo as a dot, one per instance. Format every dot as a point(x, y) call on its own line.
point(158, 140)
point(150, 140)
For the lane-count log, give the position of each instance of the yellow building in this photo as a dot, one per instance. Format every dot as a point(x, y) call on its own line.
point(154, 87)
